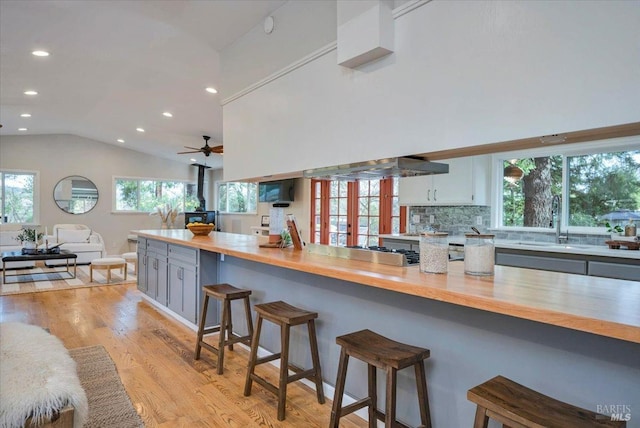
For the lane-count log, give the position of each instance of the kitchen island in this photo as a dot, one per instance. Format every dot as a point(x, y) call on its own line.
point(558, 333)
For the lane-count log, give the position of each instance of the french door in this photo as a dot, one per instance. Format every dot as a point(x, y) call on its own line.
point(347, 213)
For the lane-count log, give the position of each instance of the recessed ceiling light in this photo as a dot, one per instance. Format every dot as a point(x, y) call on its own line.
point(40, 53)
point(22, 129)
point(167, 114)
point(140, 129)
point(25, 115)
point(193, 160)
point(30, 92)
point(120, 140)
point(211, 90)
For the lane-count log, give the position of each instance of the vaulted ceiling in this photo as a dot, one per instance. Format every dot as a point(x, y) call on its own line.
point(115, 66)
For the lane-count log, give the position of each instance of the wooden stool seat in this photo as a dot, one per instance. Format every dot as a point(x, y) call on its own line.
point(108, 263)
point(226, 293)
point(517, 406)
point(386, 354)
point(285, 316)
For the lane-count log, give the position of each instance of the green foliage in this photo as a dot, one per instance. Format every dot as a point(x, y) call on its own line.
point(617, 228)
point(597, 184)
point(18, 197)
point(29, 235)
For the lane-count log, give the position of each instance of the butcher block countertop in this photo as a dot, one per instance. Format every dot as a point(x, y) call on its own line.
point(602, 306)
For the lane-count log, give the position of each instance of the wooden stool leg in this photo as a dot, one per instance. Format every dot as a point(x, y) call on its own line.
point(252, 356)
point(229, 324)
point(201, 324)
point(125, 271)
point(224, 319)
point(284, 370)
point(336, 408)
point(390, 411)
point(247, 310)
point(315, 357)
point(481, 420)
point(423, 395)
point(90, 273)
point(373, 395)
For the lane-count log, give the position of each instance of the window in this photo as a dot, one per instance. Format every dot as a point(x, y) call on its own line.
point(235, 197)
point(17, 197)
point(596, 184)
point(372, 205)
point(145, 195)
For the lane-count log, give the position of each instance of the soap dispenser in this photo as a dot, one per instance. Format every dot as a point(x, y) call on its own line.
point(630, 229)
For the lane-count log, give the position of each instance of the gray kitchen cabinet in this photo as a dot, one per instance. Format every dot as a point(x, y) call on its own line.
point(582, 264)
point(183, 282)
point(157, 271)
point(142, 264)
point(173, 276)
point(542, 262)
point(467, 183)
point(615, 270)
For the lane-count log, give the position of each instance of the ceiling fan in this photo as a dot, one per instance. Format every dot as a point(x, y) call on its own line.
point(206, 149)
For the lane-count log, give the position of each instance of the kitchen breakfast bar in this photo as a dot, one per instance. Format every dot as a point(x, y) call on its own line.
point(573, 337)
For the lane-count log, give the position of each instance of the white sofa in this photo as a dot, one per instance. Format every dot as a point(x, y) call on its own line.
point(78, 239)
point(8, 242)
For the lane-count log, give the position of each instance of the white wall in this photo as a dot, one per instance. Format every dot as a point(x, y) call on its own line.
point(300, 27)
point(57, 156)
point(462, 74)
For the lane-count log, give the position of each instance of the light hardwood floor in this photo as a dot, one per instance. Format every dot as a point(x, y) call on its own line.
point(154, 356)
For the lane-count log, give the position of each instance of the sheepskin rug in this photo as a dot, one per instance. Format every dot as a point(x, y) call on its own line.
point(37, 377)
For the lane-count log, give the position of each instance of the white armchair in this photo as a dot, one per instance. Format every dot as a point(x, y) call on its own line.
point(78, 239)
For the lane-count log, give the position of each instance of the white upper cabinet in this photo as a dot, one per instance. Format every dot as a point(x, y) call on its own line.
point(467, 183)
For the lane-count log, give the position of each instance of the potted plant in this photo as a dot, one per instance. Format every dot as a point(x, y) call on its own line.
point(615, 231)
point(29, 238)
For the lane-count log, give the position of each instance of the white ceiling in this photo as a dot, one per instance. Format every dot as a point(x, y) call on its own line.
point(118, 65)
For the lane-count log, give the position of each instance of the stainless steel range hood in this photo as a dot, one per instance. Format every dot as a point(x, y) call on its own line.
point(375, 169)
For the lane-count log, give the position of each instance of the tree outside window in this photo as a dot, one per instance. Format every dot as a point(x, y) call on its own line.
point(591, 185)
point(146, 195)
point(237, 197)
point(17, 197)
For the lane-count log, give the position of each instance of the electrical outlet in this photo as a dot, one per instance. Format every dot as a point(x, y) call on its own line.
point(221, 257)
point(415, 219)
point(479, 220)
point(432, 218)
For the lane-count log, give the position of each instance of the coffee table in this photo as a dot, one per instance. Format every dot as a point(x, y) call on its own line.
point(17, 256)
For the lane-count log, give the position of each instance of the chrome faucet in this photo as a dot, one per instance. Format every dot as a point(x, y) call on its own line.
point(556, 214)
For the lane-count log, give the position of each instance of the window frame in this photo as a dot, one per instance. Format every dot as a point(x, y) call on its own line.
point(565, 150)
point(114, 191)
point(36, 192)
point(217, 198)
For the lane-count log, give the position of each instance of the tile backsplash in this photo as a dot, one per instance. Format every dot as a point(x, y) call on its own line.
point(458, 219)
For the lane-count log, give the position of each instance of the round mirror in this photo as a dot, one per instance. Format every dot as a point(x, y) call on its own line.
point(75, 194)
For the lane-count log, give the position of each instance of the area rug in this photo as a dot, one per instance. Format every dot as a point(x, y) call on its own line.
point(60, 281)
point(109, 404)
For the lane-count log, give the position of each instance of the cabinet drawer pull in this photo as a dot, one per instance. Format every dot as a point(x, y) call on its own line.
point(434, 194)
point(429, 195)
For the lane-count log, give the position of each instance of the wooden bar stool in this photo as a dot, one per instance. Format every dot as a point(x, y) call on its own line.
point(226, 294)
point(379, 352)
point(285, 316)
point(517, 406)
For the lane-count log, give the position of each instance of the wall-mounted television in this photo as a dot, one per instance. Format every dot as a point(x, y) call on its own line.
point(276, 191)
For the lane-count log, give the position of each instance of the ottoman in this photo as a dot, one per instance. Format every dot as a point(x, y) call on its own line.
point(133, 259)
point(108, 263)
